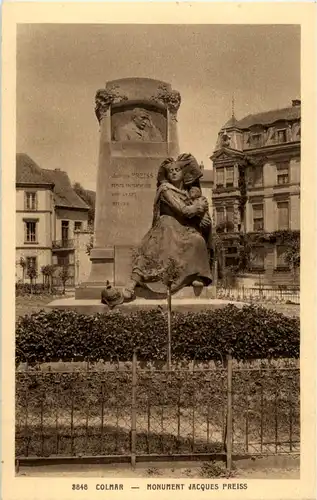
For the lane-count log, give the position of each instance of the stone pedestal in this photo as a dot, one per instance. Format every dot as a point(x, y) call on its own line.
point(93, 306)
point(129, 158)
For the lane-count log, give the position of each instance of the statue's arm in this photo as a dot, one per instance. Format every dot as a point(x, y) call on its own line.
point(205, 221)
point(180, 207)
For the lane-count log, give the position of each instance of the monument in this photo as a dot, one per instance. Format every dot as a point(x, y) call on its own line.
point(138, 137)
point(138, 130)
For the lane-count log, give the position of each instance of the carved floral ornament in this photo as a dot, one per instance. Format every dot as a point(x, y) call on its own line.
point(104, 98)
point(170, 98)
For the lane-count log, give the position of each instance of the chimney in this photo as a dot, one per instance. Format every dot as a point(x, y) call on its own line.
point(296, 102)
point(57, 169)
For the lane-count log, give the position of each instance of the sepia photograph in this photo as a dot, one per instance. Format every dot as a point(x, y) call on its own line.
point(158, 254)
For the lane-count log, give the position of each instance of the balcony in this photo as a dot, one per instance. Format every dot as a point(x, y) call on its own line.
point(63, 245)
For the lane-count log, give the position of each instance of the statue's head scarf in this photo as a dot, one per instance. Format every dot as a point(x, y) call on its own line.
point(189, 165)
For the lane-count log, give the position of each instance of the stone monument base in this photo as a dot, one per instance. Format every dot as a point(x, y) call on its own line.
point(93, 306)
point(92, 291)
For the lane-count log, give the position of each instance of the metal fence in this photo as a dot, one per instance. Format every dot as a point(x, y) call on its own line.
point(129, 412)
point(259, 294)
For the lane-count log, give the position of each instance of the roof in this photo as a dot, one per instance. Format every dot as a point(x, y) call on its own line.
point(64, 194)
point(269, 117)
point(28, 172)
point(230, 123)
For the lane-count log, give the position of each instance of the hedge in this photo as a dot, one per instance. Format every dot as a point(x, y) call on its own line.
point(251, 332)
point(22, 289)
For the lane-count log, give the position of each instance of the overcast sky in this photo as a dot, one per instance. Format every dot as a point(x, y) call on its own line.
point(60, 67)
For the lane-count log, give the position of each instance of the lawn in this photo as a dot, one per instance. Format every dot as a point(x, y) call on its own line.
point(29, 304)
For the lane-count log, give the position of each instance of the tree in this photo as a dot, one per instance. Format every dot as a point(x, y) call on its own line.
point(22, 264)
point(90, 245)
point(64, 277)
point(48, 272)
point(89, 198)
point(292, 252)
point(168, 274)
point(32, 275)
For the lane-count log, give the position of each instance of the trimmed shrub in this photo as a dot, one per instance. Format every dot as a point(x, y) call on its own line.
point(251, 332)
point(22, 289)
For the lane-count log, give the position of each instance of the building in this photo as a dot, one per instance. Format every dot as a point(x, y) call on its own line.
point(48, 215)
point(256, 187)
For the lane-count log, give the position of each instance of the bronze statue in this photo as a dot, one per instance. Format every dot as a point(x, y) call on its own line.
point(180, 230)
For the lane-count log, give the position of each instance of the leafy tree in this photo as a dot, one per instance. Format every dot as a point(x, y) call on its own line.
point(167, 274)
point(48, 273)
point(32, 275)
point(89, 198)
point(90, 245)
point(22, 264)
point(64, 276)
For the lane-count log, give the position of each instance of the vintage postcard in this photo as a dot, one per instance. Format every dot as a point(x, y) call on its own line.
point(158, 256)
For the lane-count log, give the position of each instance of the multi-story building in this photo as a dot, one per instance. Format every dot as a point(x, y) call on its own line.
point(256, 163)
point(48, 213)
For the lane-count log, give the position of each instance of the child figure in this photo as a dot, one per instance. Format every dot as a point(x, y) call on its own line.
point(195, 195)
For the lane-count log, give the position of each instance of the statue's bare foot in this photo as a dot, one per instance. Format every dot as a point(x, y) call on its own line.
point(128, 292)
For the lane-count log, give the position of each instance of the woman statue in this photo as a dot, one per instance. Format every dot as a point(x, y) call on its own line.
point(180, 230)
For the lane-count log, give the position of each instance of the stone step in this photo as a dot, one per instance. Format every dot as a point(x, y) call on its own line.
point(93, 291)
point(93, 306)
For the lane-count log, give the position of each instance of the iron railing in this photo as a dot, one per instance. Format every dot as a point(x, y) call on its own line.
point(63, 244)
point(128, 411)
point(260, 294)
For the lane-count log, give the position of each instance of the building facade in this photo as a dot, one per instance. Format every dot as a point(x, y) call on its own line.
point(256, 187)
point(48, 215)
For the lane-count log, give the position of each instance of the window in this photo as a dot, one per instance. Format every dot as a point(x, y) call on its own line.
point(281, 135)
point(229, 176)
point(78, 225)
point(256, 176)
point(255, 140)
point(283, 215)
point(220, 174)
point(230, 218)
point(258, 217)
point(280, 256)
point(282, 170)
point(31, 262)
point(30, 231)
point(30, 200)
point(220, 213)
point(65, 228)
point(257, 258)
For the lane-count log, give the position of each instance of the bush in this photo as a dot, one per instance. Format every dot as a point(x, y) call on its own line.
point(36, 289)
point(248, 333)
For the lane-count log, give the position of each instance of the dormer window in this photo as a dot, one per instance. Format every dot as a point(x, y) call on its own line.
point(255, 140)
point(281, 136)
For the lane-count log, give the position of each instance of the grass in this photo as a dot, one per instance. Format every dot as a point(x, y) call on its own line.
point(29, 304)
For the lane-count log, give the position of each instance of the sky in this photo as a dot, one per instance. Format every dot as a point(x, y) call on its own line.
point(61, 66)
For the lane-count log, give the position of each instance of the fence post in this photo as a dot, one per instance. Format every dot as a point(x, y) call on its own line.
point(169, 329)
point(229, 412)
point(133, 410)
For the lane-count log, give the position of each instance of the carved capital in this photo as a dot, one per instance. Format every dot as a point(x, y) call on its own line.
point(104, 98)
point(170, 98)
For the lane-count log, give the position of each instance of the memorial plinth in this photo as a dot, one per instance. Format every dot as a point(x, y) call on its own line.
point(138, 130)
